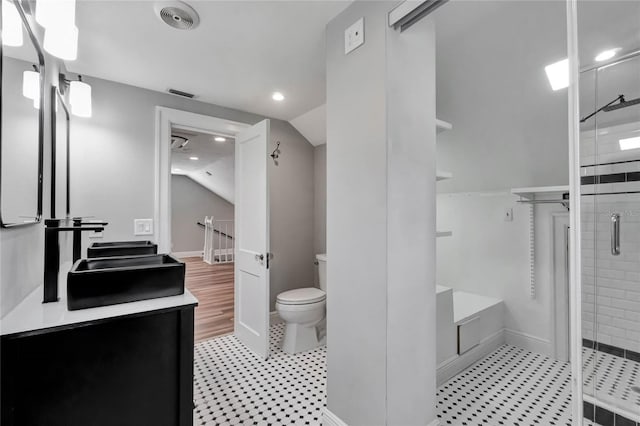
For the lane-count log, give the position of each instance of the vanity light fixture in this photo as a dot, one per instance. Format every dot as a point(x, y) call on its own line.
point(11, 25)
point(58, 13)
point(62, 42)
point(80, 98)
point(558, 74)
point(193, 158)
point(605, 55)
point(629, 143)
point(219, 139)
point(277, 96)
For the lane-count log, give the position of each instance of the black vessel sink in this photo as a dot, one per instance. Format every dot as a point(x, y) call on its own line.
point(112, 280)
point(121, 248)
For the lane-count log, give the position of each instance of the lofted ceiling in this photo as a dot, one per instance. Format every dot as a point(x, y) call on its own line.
point(214, 167)
point(241, 52)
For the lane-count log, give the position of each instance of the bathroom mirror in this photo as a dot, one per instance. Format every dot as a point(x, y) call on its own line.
point(60, 169)
point(21, 119)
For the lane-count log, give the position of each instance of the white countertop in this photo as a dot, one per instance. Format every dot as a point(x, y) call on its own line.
point(32, 315)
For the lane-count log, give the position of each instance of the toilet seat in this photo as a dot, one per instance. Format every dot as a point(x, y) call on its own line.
point(301, 296)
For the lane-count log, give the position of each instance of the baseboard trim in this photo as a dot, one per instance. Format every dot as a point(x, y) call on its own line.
point(461, 362)
point(436, 422)
point(274, 318)
point(527, 341)
point(330, 419)
point(180, 254)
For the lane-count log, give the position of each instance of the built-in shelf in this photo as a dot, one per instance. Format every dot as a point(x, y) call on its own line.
point(443, 234)
point(530, 193)
point(442, 126)
point(442, 175)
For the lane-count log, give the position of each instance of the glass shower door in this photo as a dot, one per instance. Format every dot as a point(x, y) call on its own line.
point(610, 202)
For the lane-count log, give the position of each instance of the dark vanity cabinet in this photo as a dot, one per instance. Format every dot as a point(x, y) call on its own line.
point(134, 370)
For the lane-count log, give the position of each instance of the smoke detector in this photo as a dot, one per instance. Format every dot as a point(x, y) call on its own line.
point(177, 14)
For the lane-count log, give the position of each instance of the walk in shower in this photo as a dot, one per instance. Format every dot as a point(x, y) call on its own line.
point(610, 210)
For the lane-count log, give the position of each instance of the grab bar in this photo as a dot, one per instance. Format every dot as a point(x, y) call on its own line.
point(615, 234)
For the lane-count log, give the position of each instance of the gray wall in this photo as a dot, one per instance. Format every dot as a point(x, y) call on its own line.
point(190, 203)
point(320, 199)
point(113, 173)
point(291, 211)
point(380, 221)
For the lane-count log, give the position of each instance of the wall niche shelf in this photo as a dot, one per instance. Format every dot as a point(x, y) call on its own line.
point(531, 192)
point(442, 126)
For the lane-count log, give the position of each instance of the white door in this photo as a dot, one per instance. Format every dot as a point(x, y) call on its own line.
point(252, 238)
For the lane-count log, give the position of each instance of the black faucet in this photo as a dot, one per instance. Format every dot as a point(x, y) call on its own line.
point(52, 229)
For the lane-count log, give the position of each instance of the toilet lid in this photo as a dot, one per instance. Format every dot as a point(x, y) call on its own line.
point(302, 296)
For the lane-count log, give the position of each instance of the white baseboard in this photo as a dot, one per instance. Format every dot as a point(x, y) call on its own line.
point(527, 341)
point(461, 362)
point(330, 419)
point(436, 422)
point(180, 254)
point(274, 318)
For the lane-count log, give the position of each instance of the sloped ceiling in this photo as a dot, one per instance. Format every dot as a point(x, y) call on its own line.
point(313, 125)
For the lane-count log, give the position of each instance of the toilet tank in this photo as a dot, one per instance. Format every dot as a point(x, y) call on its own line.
point(322, 270)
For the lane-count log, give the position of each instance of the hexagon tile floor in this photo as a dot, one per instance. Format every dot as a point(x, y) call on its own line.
point(511, 386)
point(233, 386)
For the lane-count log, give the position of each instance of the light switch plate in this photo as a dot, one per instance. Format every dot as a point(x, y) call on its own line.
point(354, 36)
point(143, 227)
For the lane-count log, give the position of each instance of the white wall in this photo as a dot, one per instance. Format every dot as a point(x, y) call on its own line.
point(190, 203)
point(509, 127)
point(488, 256)
point(380, 219)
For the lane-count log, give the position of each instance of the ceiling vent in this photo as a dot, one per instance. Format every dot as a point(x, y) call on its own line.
point(181, 93)
point(177, 14)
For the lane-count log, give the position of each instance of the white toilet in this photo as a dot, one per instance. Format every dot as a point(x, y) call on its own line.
point(303, 311)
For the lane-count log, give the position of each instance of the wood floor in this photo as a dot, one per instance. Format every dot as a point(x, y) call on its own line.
point(212, 285)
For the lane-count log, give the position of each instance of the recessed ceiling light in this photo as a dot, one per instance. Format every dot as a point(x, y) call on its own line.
point(219, 139)
point(558, 74)
point(277, 96)
point(629, 143)
point(193, 158)
point(605, 55)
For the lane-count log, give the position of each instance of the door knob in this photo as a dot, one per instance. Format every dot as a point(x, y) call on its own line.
point(260, 257)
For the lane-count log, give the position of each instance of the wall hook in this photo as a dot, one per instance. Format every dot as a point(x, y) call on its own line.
point(276, 153)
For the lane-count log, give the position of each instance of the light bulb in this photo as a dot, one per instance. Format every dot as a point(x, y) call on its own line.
point(80, 99)
point(11, 25)
point(62, 42)
point(56, 13)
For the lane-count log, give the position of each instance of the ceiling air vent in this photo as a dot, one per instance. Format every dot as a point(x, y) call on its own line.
point(177, 14)
point(181, 93)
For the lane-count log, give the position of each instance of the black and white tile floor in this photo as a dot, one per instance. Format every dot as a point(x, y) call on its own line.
point(616, 380)
point(233, 386)
point(511, 386)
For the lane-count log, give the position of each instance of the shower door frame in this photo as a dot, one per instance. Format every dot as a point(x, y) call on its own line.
point(575, 228)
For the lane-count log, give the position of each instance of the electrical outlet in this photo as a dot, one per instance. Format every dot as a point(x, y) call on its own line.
point(94, 235)
point(354, 36)
point(508, 214)
point(143, 227)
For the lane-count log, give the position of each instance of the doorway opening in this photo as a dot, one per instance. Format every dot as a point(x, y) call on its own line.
point(202, 224)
